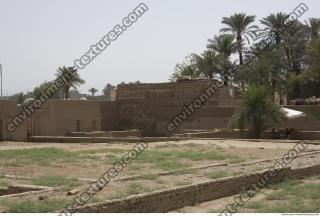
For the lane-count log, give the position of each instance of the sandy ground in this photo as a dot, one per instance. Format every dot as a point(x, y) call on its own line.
point(93, 168)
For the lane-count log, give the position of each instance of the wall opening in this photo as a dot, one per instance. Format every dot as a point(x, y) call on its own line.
point(2, 130)
point(30, 127)
point(78, 126)
point(94, 125)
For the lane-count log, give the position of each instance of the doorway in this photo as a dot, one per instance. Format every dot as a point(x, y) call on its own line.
point(30, 127)
point(2, 130)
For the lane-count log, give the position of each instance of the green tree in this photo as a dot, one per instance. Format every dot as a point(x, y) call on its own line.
point(74, 80)
point(266, 69)
point(42, 88)
point(312, 59)
point(275, 26)
point(21, 97)
point(239, 25)
point(224, 45)
point(314, 28)
point(258, 112)
point(186, 68)
point(206, 63)
point(93, 91)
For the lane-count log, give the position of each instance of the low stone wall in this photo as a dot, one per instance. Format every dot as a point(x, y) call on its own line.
point(86, 134)
point(218, 134)
point(174, 198)
point(124, 134)
point(306, 135)
point(300, 135)
point(49, 139)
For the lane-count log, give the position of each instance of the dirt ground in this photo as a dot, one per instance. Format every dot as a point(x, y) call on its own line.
point(66, 166)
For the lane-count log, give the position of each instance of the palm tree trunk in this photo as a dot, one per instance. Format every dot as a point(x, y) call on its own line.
point(66, 93)
point(273, 85)
point(239, 41)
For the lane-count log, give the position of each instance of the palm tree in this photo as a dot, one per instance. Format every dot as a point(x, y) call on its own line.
point(93, 91)
point(258, 112)
point(266, 69)
point(313, 71)
point(314, 28)
point(224, 45)
point(239, 25)
point(73, 79)
point(206, 63)
point(275, 26)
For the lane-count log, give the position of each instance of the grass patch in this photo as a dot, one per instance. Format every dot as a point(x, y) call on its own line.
point(137, 188)
point(296, 204)
point(117, 195)
point(4, 183)
point(191, 145)
point(40, 156)
point(56, 181)
point(170, 165)
point(111, 159)
point(134, 167)
point(292, 196)
point(103, 151)
point(169, 160)
point(168, 145)
point(254, 205)
point(12, 164)
point(236, 160)
point(185, 171)
point(277, 195)
point(182, 183)
point(160, 181)
point(35, 206)
point(150, 177)
point(217, 174)
point(153, 155)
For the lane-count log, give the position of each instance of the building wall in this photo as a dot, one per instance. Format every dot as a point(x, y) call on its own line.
point(56, 118)
point(8, 110)
point(147, 107)
point(61, 117)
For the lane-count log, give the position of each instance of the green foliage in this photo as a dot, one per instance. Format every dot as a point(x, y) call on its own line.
point(41, 156)
point(45, 87)
point(312, 59)
point(72, 77)
point(186, 68)
point(257, 111)
point(93, 91)
point(239, 24)
point(285, 56)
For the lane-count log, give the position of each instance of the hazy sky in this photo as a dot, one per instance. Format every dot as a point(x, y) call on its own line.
point(38, 36)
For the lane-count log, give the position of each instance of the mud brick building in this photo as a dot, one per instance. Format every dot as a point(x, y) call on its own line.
point(144, 106)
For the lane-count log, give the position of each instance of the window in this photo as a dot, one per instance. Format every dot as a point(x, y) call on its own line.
point(78, 128)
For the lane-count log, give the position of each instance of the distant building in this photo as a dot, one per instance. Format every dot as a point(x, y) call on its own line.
point(148, 107)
